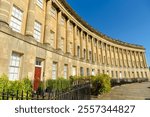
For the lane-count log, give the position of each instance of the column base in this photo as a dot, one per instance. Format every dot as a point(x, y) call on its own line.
point(59, 50)
point(68, 53)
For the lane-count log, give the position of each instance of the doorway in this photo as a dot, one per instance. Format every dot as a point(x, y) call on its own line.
point(37, 74)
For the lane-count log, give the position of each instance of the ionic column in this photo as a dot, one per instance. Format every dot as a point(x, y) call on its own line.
point(135, 59)
point(144, 60)
point(47, 23)
point(118, 57)
point(81, 46)
point(31, 18)
point(59, 31)
point(123, 61)
point(102, 61)
point(131, 59)
point(110, 56)
point(68, 38)
point(127, 59)
point(5, 6)
point(140, 64)
point(115, 56)
point(87, 47)
point(75, 41)
point(97, 52)
point(106, 54)
point(92, 46)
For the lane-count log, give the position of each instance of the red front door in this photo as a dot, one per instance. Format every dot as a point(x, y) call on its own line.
point(37, 77)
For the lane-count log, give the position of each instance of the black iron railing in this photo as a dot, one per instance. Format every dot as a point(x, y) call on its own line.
point(79, 91)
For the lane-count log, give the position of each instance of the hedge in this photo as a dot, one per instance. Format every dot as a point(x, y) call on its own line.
point(13, 86)
point(58, 84)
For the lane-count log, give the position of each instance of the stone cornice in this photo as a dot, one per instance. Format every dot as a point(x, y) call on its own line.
point(85, 24)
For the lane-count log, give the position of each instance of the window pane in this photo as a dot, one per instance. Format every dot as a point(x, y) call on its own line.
point(54, 70)
point(16, 19)
point(14, 66)
point(37, 31)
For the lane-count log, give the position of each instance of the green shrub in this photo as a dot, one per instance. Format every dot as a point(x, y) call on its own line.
point(41, 87)
point(14, 86)
point(27, 85)
point(74, 79)
point(58, 84)
point(4, 83)
point(100, 84)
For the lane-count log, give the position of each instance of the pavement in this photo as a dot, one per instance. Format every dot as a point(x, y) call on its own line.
point(135, 91)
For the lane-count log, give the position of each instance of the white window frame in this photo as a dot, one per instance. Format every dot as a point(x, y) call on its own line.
point(54, 71)
point(40, 3)
point(81, 71)
point(16, 19)
point(88, 71)
point(93, 72)
point(37, 31)
point(14, 67)
point(65, 71)
point(38, 62)
point(74, 70)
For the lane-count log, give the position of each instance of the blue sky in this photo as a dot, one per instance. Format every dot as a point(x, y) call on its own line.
point(126, 20)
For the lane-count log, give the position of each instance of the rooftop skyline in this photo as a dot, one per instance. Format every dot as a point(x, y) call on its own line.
point(128, 21)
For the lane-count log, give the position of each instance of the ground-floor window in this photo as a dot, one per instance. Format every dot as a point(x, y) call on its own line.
point(54, 70)
point(107, 72)
point(138, 75)
point(142, 74)
point(88, 72)
point(98, 71)
point(93, 72)
point(116, 74)
point(146, 75)
point(120, 74)
point(74, 69)
point(14, 66)
point(133, 75)
point(81, 71)
point(112, 73)
point(125, 75)
point(65, 71)
point(129, 74)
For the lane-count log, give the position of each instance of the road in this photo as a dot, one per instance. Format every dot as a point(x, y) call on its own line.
point(135, 91)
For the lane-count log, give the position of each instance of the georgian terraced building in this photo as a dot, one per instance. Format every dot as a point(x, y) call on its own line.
point(46, 39)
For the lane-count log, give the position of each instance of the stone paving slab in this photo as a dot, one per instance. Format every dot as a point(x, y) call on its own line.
point(135, 91)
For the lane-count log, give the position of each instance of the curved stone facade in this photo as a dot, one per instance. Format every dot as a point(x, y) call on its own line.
point(53, 41)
